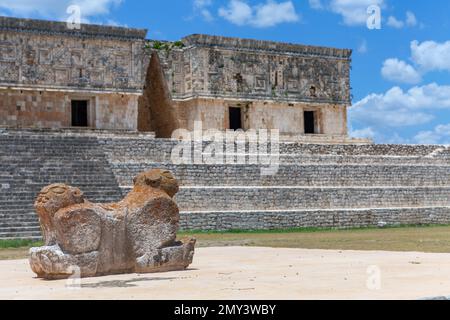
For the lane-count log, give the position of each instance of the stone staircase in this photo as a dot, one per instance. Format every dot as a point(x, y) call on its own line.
point(32, 160)
point(316, 185)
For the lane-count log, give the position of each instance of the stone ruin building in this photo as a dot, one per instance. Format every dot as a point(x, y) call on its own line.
point(125, 92)
point(104, 77)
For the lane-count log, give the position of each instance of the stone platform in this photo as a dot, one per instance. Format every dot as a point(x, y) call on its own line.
point(317, 185)
point(254, 273)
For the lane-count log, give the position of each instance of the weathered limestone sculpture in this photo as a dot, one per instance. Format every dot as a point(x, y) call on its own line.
point(137, 234)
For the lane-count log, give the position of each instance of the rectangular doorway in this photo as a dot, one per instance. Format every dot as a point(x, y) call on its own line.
point(235, 118)
point(310, 122)
point(79, 113)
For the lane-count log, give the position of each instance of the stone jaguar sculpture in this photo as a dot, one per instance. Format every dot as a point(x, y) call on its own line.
point(135, 235)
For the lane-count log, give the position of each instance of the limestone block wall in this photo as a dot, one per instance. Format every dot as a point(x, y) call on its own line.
point(44, 64)
point(288, 198)
point(44, 53)
point(273, 83)
point(116, 111)
point(312, 175)
point(338, 186)
point(357, 218)
point(284, 116)
point(233, 67)
point(316, 185)
point(52, 109)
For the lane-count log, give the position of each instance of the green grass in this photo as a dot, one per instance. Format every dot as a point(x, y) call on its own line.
point(431, 238)
point(14, 244)
point(306, 230)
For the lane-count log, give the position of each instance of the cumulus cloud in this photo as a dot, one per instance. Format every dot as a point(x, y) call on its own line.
point(203, 7)
point(410, 21)
point(431, 55)
point(262, 15)
point(56, 9)
point(395, 23)
point(316, 4)
point(399, 71)
point(439, 135)
point(353, 12)
point(363, 48)
point(397, 109)
point(366, 133)
point(426, 57)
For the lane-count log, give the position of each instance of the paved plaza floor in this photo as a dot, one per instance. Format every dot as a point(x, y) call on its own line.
point(254, 273)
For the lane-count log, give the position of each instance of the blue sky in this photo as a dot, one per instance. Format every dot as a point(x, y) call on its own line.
point(401, 72)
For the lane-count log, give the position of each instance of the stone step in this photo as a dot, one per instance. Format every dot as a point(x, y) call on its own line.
point(296, 175)
point(18, 222)
point(16, 212)
point(282, 198)
point(28, 206)
point(337, 218)
point(131, 142)
point(294, 159)
point(18, 219)
point(31, 195)
point(20, 229)
point(33, 235)
point(166, 146)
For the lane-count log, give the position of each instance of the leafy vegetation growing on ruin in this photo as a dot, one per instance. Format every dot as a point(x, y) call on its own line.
point(167, 46)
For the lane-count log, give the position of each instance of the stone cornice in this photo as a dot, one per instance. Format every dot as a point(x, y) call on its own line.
point(60, 28)
point(201, 40)
point(266, 98)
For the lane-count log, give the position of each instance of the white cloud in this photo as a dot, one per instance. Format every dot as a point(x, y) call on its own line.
point(237, 12)
point(262, 15)
point(366, 133)
point(394, 23)
point(398, 108)
point(56, 9)
point(439, 135)
point(431, 55)
point(202, 3)
point(362, 48)
point(202, 7)
point(411, 20)
point(315, 4)
point(399, 71)
point(353, 12)
point(426, 56)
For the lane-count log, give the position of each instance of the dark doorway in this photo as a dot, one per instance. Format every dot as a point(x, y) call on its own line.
point(310, 120)
point(79, 113)
point(235, 118)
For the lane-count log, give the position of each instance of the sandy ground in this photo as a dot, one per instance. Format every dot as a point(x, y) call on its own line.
point(255, 273)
